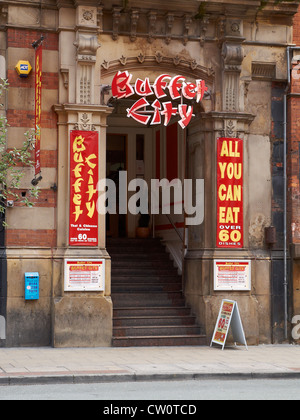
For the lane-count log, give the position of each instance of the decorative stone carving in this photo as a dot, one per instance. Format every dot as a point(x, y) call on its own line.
point(152, 17)
point(233, 55)
point(85, 122)
point(116, 22)
point(65, 75)
point(123, 60)
point(100, 18)
point(170, 22)
point(134, 22)
point(141, 58)
point(85, 84)
point(231, 128)
point(263, 71)
point(183, 65)
point(204, 27)
point(87, 45)
point(159, 57)
point(86, 16)
point(187, 24)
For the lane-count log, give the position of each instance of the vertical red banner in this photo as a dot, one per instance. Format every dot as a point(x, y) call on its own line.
point(38, 106)
point(84, 177)
point(230, 229)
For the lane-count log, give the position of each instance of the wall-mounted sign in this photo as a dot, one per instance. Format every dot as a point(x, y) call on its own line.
point(84, 275)
point(229, 316)
point(84, 177)
point(152, 110)
point(232, 275)
point(230, 193)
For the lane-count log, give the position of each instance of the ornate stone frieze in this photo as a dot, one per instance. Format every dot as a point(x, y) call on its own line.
point(149, 61)
point(165, 25)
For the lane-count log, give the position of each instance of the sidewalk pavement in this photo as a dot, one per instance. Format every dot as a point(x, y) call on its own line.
point(86, 365)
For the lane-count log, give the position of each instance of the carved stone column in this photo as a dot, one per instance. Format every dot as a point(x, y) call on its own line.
point(87, 45)
point(232, 55)
point(79, 318)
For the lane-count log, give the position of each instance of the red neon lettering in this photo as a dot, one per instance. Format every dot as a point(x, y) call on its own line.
point(143, 88)
point(157, 106)
point(201, 89)
point(160, 85)
point(175, 86)
point(121, 85)
point(186, 116)
point(132, 112)
point(168, 112)
point(189, 90)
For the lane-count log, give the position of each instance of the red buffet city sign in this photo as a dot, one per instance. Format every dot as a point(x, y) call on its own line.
point(177, 87)
point(84, 169)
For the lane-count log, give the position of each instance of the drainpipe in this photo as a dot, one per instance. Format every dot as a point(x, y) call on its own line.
point(286, 95)
point(285, 282)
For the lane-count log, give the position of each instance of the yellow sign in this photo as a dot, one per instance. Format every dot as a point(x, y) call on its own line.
point(23, 68)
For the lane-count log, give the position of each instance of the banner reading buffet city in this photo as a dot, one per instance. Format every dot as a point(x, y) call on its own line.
point(230, 193)
point(177, 87)
point(84, 177)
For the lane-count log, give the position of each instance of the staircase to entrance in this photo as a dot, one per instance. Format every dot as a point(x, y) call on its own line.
point(149, 305)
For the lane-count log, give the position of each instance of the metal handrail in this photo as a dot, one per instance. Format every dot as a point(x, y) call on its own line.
point(175, 227)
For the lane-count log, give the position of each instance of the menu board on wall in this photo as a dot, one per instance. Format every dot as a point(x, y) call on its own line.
point(232, 275)
point(84, 275)
point(230, 193)
point(84, 176)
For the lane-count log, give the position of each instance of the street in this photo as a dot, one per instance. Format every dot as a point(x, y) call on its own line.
point(172, 391)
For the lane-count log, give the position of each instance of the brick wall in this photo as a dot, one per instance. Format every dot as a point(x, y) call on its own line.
point(296, 29)
point(293, 156)
point(24, 118)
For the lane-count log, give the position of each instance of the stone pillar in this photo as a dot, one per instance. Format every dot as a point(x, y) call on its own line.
point(79, 318)
point(230, 121)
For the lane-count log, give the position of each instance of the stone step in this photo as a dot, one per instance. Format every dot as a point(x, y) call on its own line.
point(196, 340)
point(147, 279)
point(143, 271)
point(148, 304)
point(146, 287)
point(161, 311)
point(145, 299)
point(135, 321)
point(132, 303)
point(154, 256)
point(116, 264)
point(158, 330)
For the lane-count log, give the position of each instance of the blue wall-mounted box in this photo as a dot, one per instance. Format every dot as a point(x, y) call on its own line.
point(32, 286)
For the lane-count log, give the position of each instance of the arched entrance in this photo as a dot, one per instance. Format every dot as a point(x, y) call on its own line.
point(146, 276)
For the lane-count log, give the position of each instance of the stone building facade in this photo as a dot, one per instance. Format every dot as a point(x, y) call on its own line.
point(239, 48)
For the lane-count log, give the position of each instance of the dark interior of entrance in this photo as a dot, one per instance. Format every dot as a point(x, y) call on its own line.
point(116, 224)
